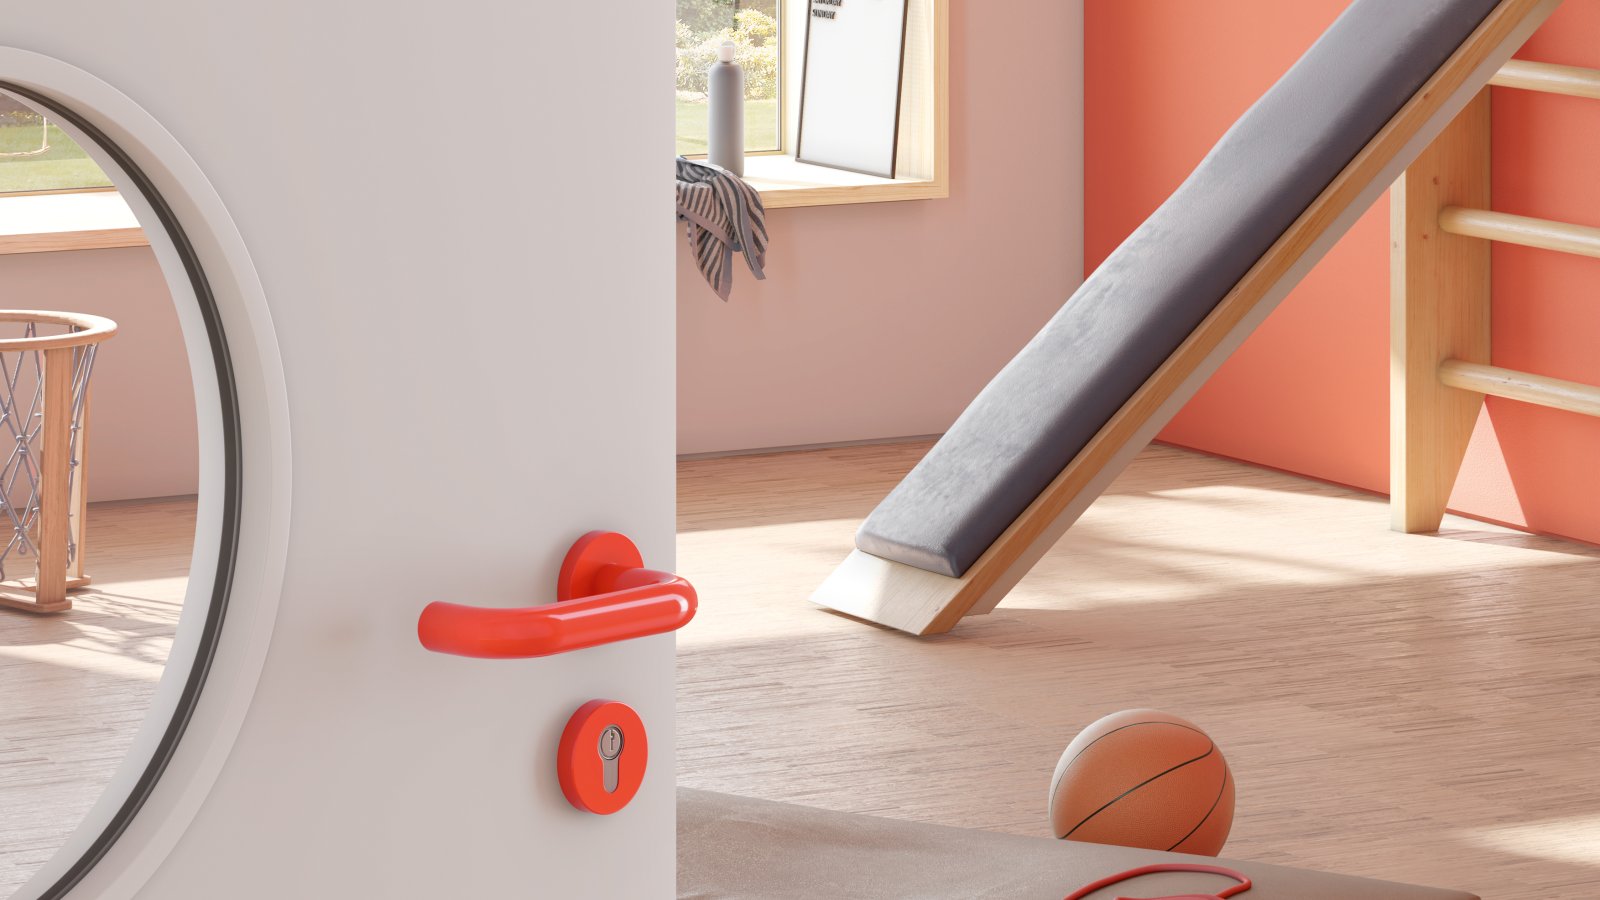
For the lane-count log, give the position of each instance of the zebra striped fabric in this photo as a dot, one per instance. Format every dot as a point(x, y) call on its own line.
point(723, 215)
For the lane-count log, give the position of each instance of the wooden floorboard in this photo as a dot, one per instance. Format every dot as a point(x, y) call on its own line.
point(74, 687)
point(1414, 707)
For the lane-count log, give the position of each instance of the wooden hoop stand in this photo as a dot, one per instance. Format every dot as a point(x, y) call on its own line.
point(63, 498)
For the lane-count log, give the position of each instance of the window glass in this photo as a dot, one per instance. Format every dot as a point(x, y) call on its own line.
point(36, 155)
point(753, 26)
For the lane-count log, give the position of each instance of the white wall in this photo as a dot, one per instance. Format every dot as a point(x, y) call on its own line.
point(483, 304)
point(885, 319)
point(142, 425)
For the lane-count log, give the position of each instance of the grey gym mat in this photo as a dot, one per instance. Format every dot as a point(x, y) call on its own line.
point(1145, 299)
point(738, 847)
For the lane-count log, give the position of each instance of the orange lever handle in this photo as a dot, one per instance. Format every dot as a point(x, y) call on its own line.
point(604, 594)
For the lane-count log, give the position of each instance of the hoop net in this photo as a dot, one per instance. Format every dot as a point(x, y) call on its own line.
point(21, 446)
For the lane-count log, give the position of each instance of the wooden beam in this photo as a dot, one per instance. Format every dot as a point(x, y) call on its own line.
point(1513, 385)
point(920, 602)
point(1549, 78)
point(80, 493)
point(1439, 309)
point(1506, 228)
point(55, 469)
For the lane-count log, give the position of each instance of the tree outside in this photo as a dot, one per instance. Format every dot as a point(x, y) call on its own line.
point(752, 26)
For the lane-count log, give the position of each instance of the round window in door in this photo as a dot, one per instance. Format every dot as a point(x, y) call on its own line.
point(118, 433)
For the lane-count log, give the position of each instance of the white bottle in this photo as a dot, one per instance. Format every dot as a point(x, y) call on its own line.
point(725, 93)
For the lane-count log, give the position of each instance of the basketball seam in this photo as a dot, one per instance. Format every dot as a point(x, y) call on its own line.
point(1131, 725)
point(1055, 785)
point(1141, 784)
point(1203, 819)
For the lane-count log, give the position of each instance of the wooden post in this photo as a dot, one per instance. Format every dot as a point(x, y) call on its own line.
point(80, 494)
point(1439, 310)
point(55, 468)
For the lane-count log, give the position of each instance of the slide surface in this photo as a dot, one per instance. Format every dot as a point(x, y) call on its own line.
point(1136, 309)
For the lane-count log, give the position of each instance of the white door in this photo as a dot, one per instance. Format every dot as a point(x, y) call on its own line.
point(448, 307)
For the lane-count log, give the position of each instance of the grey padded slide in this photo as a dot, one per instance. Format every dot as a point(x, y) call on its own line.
point(736, 847)
point(1145, 299)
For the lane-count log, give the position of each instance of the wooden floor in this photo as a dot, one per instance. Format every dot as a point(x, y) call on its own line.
point(74, 687)
point(1412, 707)
point(1420, 708)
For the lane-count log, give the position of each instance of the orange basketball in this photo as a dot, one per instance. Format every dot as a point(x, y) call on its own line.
point(1143, 778)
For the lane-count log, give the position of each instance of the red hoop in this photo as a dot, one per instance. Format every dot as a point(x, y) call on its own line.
point(1224, 894)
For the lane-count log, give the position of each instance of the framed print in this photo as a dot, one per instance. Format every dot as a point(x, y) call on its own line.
point(850, 87)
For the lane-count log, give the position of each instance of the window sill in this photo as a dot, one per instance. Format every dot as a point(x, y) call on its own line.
point(785, 183)
point(88, 220)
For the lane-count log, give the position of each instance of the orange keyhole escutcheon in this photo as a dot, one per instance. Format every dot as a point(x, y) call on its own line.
point(602, 757)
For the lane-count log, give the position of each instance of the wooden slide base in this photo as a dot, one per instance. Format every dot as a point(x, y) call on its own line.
point(889, 593)
point(921, 602)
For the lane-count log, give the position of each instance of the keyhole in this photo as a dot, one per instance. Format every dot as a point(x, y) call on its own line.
point(610, 749)
point(610, 742)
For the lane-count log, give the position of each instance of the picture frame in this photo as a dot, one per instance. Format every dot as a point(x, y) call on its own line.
point(851, 85)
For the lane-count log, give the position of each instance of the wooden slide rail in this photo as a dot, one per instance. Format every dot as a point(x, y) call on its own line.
point(1442, 230)
point(921, 602)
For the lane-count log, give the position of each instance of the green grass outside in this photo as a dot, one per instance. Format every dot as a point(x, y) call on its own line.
point(63, 166)
point(760, 126)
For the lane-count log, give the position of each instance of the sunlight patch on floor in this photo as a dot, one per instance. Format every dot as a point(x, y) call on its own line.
point(106, 660)
point(167, 586)
point(1573, 840)
point(793, 557)
point(1255, 538)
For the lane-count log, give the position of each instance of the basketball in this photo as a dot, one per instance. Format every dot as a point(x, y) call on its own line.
point(1143, 778)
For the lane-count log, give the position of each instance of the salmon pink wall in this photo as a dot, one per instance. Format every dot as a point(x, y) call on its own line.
point(1309, 391)
point(143, 441)
point(885, 319)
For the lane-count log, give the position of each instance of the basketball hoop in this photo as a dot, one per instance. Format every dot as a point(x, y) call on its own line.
point(44, 143)
point(44, 409)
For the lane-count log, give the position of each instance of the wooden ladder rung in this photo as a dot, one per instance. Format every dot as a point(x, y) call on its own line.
point(1549, 78)
point(1513, 385)
point(1529, 232)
